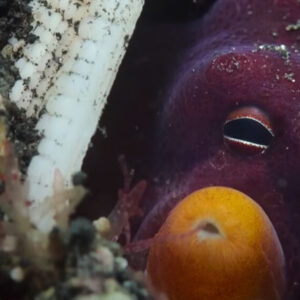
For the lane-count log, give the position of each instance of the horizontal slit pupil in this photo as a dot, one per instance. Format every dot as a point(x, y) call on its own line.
point(249, 130)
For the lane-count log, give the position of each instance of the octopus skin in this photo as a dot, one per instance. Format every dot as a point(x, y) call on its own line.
point(240, 54)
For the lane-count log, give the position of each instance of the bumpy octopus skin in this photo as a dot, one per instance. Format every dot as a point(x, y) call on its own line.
point(241, 55)
point(231, 63)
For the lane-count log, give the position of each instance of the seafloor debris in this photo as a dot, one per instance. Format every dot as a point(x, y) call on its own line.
point(15, 19)
point(293, 27)
point(73, 261)
point(22, 132)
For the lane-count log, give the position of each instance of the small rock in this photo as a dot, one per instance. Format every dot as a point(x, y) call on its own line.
point(9, 244)
point(17, 274)
point(110, 285)
point(116, 296)
point(121, 263)
point(102, 226)
point(105, 258)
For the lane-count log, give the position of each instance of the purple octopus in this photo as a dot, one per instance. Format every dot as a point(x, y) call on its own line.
point(213, 101)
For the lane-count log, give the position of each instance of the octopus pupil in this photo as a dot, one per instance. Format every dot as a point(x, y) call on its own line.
point(249, 131)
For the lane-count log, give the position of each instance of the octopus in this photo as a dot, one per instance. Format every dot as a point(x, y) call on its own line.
point(211, 103)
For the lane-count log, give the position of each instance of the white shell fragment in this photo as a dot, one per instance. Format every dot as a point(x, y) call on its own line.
point(66, 74)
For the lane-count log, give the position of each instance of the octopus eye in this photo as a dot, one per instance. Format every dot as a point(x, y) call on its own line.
point(248, 130)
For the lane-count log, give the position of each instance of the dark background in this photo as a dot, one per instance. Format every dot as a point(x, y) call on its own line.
point(128, 123)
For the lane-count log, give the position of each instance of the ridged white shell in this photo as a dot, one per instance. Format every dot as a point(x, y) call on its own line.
point(68, 72)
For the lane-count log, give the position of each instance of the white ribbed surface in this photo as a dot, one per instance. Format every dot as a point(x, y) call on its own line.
point(69, 70)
